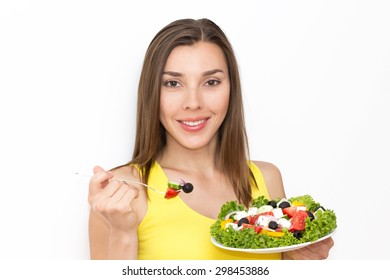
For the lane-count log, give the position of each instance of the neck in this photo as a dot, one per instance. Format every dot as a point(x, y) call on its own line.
point(175, 156)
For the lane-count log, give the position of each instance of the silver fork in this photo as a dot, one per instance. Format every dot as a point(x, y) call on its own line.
point(128, 182)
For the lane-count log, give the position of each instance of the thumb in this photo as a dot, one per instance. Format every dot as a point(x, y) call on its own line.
point(98, 181)
point(97, 169)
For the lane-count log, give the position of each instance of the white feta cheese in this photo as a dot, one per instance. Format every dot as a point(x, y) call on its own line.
point(301, 208)
point(263, 220)
point(284, 222)
point(278, 213)
point(252, 211)
point(240, 215)
point(265, 208)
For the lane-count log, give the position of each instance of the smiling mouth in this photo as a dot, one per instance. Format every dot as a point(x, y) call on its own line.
point(192, 124)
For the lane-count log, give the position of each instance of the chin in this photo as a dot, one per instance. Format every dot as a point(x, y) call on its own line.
point(195, 145)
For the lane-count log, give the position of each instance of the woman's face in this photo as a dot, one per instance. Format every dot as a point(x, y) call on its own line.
point(194, 94)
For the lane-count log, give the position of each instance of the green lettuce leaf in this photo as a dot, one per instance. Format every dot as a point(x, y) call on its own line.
point(229, 207)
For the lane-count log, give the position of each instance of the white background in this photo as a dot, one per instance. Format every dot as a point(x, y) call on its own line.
point(315, 77)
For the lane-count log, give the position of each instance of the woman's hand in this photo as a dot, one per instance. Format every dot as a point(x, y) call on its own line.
point(113, 199)
point(316, 251)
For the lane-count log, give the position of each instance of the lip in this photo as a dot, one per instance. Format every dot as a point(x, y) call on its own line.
point(193, 124)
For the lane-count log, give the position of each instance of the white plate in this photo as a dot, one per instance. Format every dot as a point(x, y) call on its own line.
point(271, 250)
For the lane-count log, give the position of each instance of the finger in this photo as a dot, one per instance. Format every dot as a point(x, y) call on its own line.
point(318, 250)
point(302, 254)
point(99, 180)
point(97, 169)
point(124, 188)
point(120, 201)
point(102, 199)
point(329, 242)
point(293, 255)
point(101, 175)
point(323, 248)
point(109, 191)
point(126, 200)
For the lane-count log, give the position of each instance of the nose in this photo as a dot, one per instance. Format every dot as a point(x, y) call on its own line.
point(192, 99)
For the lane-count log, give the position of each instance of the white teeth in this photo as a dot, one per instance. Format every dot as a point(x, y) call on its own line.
point(193, 123)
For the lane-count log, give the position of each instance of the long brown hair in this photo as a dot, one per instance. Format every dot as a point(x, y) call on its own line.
point(232, 149)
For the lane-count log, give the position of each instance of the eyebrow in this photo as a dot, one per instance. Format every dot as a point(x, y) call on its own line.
point(204, 74)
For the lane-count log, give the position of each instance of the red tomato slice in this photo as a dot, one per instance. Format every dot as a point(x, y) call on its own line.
point(254, 219)
point(256, 228)
point(251, 220)
point(170, 193)
point(289, 211)
point(247, 226)
point(298, 221)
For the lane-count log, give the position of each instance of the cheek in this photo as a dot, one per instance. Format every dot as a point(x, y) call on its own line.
point(167, 99)
point(163, 112)
point(166, 107)
point(220, 103)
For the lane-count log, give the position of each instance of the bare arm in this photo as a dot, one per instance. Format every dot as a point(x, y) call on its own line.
point(114, 217)
point(107, 243)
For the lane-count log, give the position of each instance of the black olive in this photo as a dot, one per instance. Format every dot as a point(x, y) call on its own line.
point(273, 225)
point(187, 187)
point(284, 204)
point(310, 214)
point(243, 221)
point(272, 203)
point(298, 234)
point(319, 207)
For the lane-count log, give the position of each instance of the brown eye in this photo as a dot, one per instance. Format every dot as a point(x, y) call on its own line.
point(172, 84)
point(212, 83)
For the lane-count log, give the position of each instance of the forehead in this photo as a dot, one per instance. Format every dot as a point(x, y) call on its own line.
point(201, 56)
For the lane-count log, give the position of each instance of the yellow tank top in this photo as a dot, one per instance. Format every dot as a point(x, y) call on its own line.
point(189, 237)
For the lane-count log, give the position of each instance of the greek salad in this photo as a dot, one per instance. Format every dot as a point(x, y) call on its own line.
point(272, 223)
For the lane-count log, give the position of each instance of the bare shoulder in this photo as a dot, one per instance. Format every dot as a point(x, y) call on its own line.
point(273, 179)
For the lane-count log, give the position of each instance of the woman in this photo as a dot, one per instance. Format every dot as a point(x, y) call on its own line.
point(190, 126)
